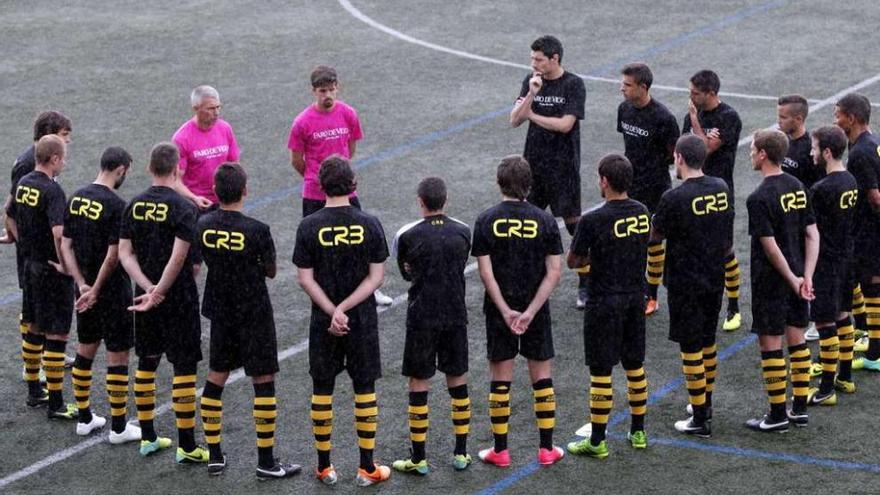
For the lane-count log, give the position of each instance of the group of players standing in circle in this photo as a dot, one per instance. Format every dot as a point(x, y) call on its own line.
point(83, 253)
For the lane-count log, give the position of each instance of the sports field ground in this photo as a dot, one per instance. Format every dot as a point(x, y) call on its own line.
point(433, 83)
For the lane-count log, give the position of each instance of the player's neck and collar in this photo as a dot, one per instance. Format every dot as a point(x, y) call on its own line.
point(324, 111)
point(834, 166)
point(686, 173)
point(798, 132)
point(554, 74)
point(105, 179)
point(432, 213)
point(770, 169)
point(204, 127)
point(508, 199)
point(168, 181)
point(712, 103)
point(45, 170)
point(235, 207)
point(642, 102)
point(337, 201)
point(611, 195)
point(856, 132)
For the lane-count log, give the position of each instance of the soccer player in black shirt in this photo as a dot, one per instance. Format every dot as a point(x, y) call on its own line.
point(834, 199)
point(613, 238)
point(649, 133)
point(695, 219)
point(240, 254)
point(90, 247)
point(36, 216)
point(432, 254)
point(716, 123)
point(32, 347)
point(785, 245)
point(552, 100)
point(853, 114)
point(340, 254)
point(518, 248)
point(158, 227)
point(791, 114)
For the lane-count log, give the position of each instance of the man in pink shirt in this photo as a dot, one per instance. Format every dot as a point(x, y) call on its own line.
point(205, 142)
point(327, 127)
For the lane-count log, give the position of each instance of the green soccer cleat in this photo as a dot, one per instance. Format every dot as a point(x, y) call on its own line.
point(197, 455)
point(461, 461)
point(67, 411)
point(861, 344)
point(732, 322)
point(585, 448)
point(847, 387)
point(815, 370)
point(408, 466)
point(815, 398)
point(864, 363)
point(151, 447)
point(638, 439)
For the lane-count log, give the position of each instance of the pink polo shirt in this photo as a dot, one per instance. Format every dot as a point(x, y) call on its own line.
point(318, 135)
point(201, 152)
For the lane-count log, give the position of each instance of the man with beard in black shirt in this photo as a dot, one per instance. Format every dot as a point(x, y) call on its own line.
point(613, 237)
point(785, 245)
point(695, 219)
point(91, 250)
point(716, 123)
point(158, 228)
point(853, 115)
point(432, 254)
point(552, 100)
point(36, 217)
point(649, 133)
point(834, 199)
point(240, 254)
point(791, 114)
point(518, 248)
point(340, 254)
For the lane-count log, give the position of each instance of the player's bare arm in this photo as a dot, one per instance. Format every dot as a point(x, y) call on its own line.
point(306, 279)
point(811, 254)
point(72, 265)
point(57, 235)
point(88, 298)
point(873, 199)
point(130, 263)
point(367, 287)
point(299, 162)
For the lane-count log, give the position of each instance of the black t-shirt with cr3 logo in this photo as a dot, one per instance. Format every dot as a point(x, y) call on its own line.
point(614, 236)
point(696, 218)
point(517, 236)
point(37, 206)
point(834, 201)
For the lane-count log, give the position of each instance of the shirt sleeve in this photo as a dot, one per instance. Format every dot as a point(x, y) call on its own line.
point(481, 245)
point(662, 221)
point(524, 87)
point(378, 244)
point(114, 222)
point(576, 99)
point(296, 141)
point(69, 223)
point(267, 248)
point(670, 133)
point(185, 229)
point(552, 239)
point(580, 244)
point(303, 257)
point(183, 162)
point(56, 206)
point(860, 167)
point(354, 126)
point(759, 218)
point(730, 129)
point(686, 124)
point(125, 227)
point(234, 151)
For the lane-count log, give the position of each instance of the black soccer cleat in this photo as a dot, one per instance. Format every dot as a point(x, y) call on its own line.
point(217, 466)
point(690, 427)
point(799, 419)
point(768, 425)
point(279, 470)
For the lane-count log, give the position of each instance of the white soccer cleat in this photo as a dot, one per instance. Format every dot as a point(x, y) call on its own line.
point(131, 433)
point(811, 335)
point(382, 299)
point(97, 422)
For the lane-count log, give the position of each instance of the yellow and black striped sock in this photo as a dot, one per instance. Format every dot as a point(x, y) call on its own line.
point(265, 418)
point(418, 423)
point(845, 334)
point(81, 378)
point(858, 308)
point(545, 410)
point(366, 416)
point(775, 383)
point(117, 396)
point(601, 402)
point(499, 412)
point(322, 426)
point(656, 262)
point(183, 402)
point(31, 354)
point(53, 367)
point(710, 364)
point(637, 395)
point(872, 320)
point(829, 352)
point(732, 282)
point(212, 418)
point(799, 364)
point(23, 327)
point(695, 379)
point(461, 417)
point(145, 396)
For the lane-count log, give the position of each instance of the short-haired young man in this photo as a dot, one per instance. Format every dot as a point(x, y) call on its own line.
point(340, 257)
point(719, 126)
point(695, 219)
point(834, 199)
point(240, 254)
point(791, 117)
point(91, 250)
point(785, 245)
point(518, 248)
point(432, 254)
point(158, 228)
point(36, 216)
point(853, 114)
point(613, 238)
point(649, 133)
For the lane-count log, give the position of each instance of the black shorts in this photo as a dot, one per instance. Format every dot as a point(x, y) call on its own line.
point(561, 193)
point(357, 352)
point(773, 310)
point(431, 348)
point(649, 196)
point(693, 317)
point(833, 286)
point(310, 206)
point(173, 328)
point(244, 342)
point(501, 344)
point(108, 320)
point(47, 299)
point(614, 330)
